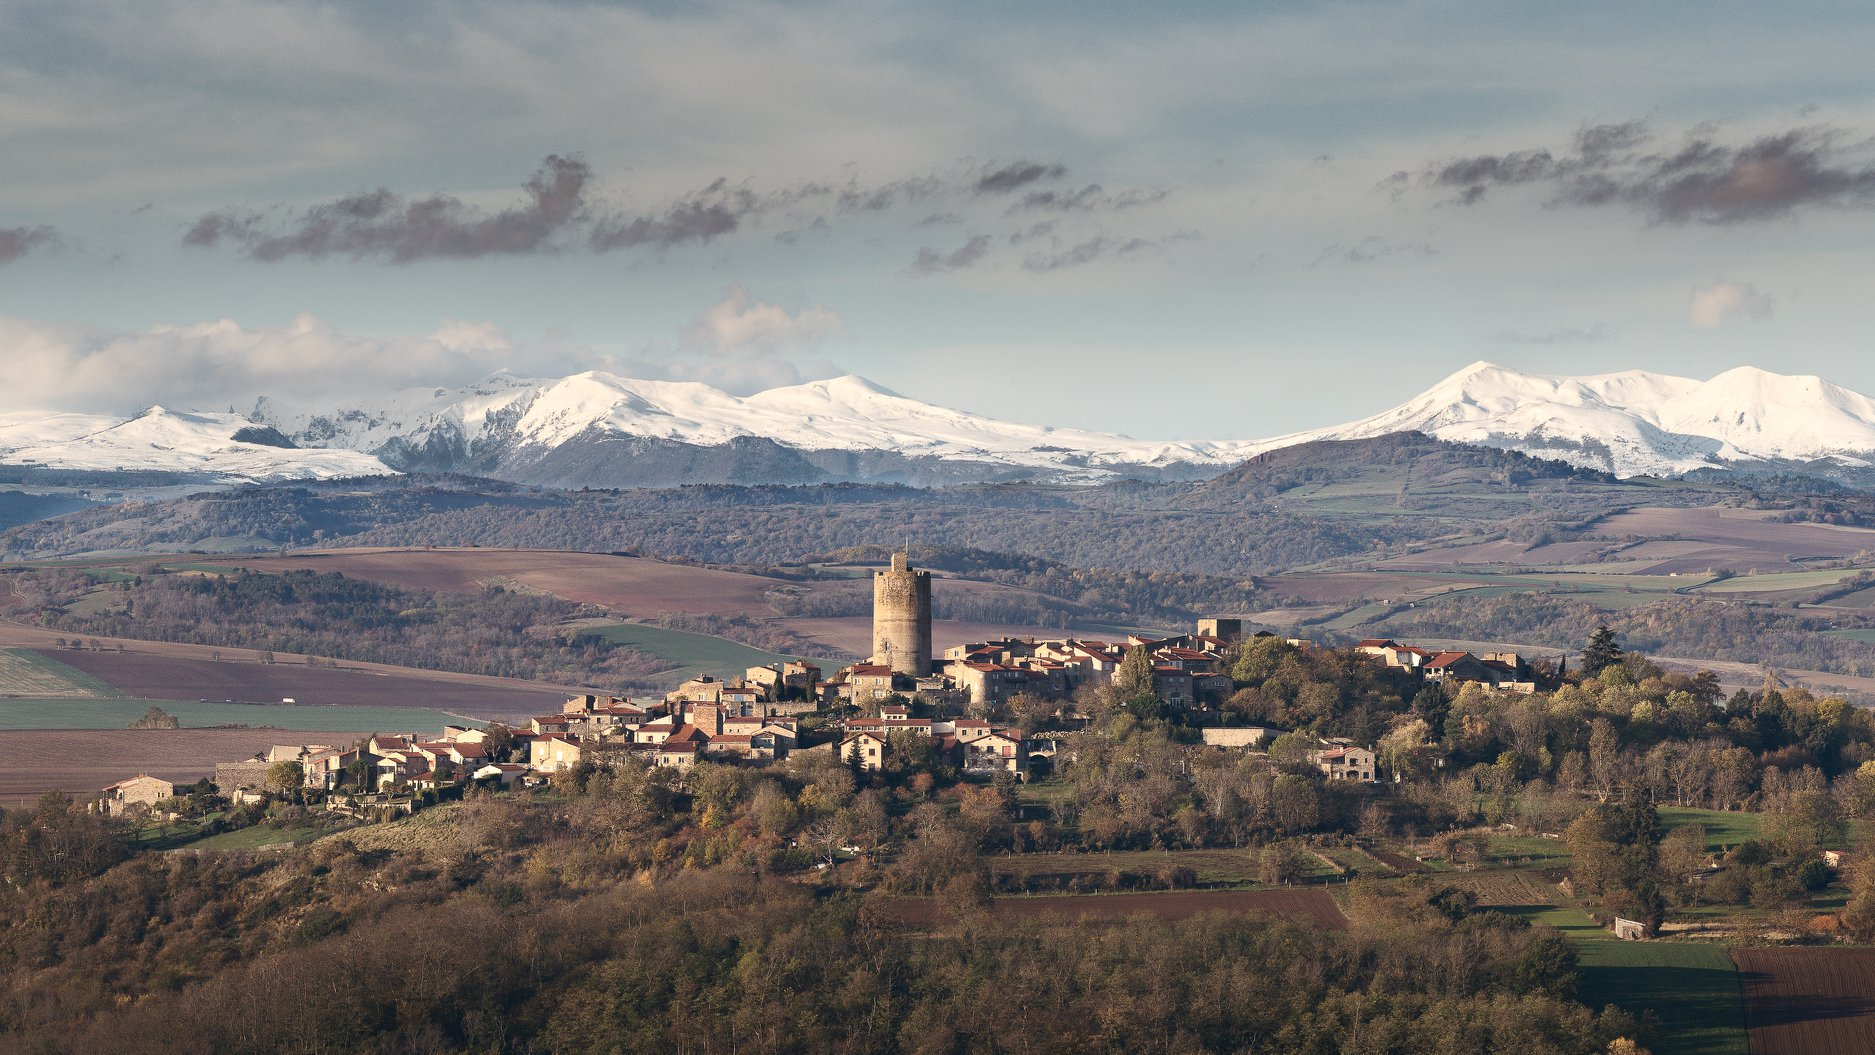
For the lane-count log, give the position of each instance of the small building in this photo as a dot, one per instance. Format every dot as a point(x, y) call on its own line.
point(1630, 930)
point(136, 795)
point(999, 750)
point(1340, 760)
point(865, 748)
point(551, 754)
point(503, 773)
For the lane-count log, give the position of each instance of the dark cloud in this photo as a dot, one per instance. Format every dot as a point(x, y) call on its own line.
point(387, 225)
point(1567, 335)
point(1016, 175)
point(1702, 181)
point(1088, 199)
point(711, 213)
point(16, 242)
point(930, 261)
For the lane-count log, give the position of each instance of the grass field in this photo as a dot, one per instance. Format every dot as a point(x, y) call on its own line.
point(29, 674)
point(1692, 988)
point(194, 714)
point(1724, 829)
point(255, 837)
point(1867, 637)
point(697, 653)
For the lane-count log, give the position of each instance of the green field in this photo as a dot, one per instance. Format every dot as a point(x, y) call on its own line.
point(194, 714)
point(255, 837)
point(1724, 829)
point(29, 674)
point(1692, 988)
point(696, 653)
point(1867, 637)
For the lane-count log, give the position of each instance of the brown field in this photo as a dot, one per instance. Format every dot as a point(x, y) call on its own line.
point(81, 761)
point(1717, 537)
point(631, 586)
point(1809, 1001)
point(1314, 905)
point(1499, 552)
point(171, 677)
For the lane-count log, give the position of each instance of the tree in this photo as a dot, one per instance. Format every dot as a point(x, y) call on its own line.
point(1258, 658)
point(1602, 652)
point(1134, 677)
point(283, 777)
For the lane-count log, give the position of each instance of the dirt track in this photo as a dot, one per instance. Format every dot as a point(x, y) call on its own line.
point(1809, 1001)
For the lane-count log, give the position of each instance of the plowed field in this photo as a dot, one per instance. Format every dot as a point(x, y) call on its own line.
point(1809, 1001)
point(159, 677)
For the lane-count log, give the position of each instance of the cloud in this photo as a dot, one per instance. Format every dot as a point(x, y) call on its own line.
point(717, 210)
point(1089, 250)
point(1567, 335)
point(740, 323)
point(1370, 249)
point(1703, 180)
point(1017, 174)
point(1719, 302)
point(383, 224)
point(930, 261)
point(1088, 199)
point(16, 242)
point(213, 365)
point(739, 344)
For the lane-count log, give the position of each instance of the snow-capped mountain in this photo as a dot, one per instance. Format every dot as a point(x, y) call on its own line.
point(225, 447)
point(596, 427)
point(602, 430)
point(1634, 423)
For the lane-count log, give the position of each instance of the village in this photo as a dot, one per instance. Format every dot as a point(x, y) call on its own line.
point(946, 705)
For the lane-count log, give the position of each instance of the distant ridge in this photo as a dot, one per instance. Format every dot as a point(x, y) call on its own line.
point(596, 429)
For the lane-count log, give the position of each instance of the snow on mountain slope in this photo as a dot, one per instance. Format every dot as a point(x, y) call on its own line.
point(843, 413)
point(171, 441)
point(1634, 422)
point(1629, 423)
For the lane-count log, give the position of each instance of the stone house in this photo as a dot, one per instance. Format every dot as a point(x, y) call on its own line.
point(136, 795)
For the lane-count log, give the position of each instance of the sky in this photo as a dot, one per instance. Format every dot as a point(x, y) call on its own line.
point(1182, 219)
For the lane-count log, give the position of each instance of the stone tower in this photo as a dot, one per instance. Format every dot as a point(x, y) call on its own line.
point(901, 618)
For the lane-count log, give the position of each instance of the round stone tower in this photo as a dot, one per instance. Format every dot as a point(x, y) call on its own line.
point(901, 618)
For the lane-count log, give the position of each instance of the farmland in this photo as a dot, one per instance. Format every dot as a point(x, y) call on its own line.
point(698, 653)
point(629, 586)
point(82, 761)
point(1692, 988)
point(153, 676)
point(30, 674)
point(198, 714)
point(1809, 1001)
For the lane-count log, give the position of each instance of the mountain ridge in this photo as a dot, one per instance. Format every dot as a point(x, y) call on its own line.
point(596, 429)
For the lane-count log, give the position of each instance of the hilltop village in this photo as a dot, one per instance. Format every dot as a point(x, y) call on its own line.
point(982, 710)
